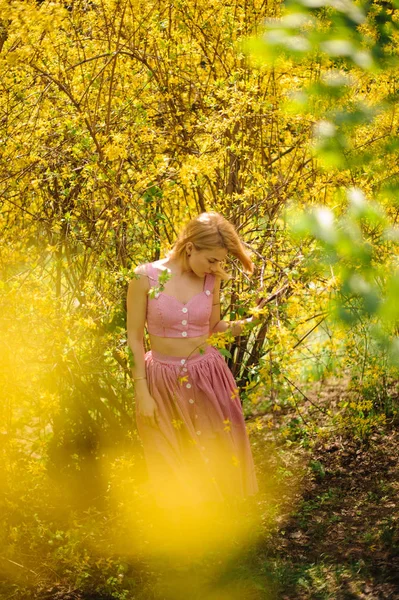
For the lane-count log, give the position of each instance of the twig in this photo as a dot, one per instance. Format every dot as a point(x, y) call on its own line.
point(22, 566)
point(308, 333)
point(304, 395)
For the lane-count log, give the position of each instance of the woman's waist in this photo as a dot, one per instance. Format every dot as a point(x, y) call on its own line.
point(178, 347)
point(182, 363)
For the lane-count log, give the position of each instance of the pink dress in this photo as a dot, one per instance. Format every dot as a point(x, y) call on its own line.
point(199, 450)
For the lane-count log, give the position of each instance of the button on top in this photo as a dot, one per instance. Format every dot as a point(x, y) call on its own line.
point(191, 401)
point(184, 322)
point(183, 360)
point(184, 370)
point(184, 309)
point(184, 333)
point(188, 385)
point(207, 292)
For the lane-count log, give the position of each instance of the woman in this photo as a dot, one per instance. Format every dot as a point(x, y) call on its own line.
point(189, 415)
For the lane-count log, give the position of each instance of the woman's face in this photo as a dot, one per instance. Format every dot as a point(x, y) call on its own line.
point(202, 262)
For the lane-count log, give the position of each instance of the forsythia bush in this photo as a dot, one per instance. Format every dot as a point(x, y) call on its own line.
point(120, 121)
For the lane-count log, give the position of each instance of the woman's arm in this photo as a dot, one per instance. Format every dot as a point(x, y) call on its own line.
point(136, 314)
point(219, 326)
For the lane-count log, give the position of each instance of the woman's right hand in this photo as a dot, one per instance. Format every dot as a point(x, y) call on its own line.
point(147, 409)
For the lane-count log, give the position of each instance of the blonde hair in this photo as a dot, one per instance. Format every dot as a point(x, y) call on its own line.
point(207, 231)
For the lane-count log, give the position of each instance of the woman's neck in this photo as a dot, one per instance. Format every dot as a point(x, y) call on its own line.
point(176, 267)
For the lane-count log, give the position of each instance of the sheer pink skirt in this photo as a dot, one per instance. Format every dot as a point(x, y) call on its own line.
point(199, 450)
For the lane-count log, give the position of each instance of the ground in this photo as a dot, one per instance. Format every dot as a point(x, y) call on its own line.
point(328, 523)
point(338, 535)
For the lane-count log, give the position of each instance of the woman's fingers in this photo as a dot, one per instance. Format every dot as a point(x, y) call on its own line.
point(151, 419)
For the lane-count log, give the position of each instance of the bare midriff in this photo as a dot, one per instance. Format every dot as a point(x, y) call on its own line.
point(178, 347)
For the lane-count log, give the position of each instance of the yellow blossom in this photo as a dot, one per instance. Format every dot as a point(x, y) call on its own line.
point(227, 423)
point(234, 395)
point(235, 460)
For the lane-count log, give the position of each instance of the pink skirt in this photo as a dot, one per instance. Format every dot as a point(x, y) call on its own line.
point(199, 450)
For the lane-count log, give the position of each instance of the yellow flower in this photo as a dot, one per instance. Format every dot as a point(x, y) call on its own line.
point(235, 460)
point(182, 379)
point(227, 424)
point(259, 424)
point(234, 395)
point(114, 151)
point(177, 423)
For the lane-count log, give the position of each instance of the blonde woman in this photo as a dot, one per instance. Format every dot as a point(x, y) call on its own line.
point(189, 415)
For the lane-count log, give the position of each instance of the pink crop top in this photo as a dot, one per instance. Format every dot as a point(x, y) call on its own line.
point(168, 317)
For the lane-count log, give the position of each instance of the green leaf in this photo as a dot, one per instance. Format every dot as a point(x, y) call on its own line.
point(225, 352)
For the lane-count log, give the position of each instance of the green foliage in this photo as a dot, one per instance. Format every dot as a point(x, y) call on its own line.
point(355, 239)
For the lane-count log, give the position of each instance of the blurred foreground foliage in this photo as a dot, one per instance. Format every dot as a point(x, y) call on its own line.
point(119, 122)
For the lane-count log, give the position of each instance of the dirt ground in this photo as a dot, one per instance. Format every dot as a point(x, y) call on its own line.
point(338, 532)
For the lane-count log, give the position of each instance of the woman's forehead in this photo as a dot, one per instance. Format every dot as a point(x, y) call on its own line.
point(216, 253)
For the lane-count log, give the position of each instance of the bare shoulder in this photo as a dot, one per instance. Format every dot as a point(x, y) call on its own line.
point(140, 282)
point(160, 264)
point(141, 269)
